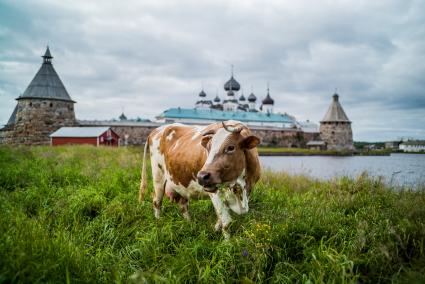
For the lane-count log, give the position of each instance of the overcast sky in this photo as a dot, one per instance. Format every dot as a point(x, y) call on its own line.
point(147, 56)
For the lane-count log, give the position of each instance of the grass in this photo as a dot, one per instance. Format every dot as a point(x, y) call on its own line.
point(70, 215)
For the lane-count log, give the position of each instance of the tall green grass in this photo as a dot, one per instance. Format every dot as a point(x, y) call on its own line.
point(70, 214)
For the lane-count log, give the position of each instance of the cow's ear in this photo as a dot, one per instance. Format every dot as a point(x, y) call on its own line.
point(205, 140)
point(250, 142)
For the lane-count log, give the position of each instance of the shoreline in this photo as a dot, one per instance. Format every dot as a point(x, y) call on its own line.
point(281, 152)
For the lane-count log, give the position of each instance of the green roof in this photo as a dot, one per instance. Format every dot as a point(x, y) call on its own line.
point(219, 115)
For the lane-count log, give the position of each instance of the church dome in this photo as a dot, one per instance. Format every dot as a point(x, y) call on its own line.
point(217, 99)
point(122, 117)
point(242, 98)
point(252, 98)
point(232, 84)
point(268, 100)
point(202, 94)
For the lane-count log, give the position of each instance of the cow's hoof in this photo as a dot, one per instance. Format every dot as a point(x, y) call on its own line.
point(186, 215)
point(226, 235)
point(157, 213)
point(218, 226)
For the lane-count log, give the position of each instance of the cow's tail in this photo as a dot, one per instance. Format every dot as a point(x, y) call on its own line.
point(143, 179)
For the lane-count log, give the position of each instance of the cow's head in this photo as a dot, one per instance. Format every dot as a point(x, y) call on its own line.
point(226, 155)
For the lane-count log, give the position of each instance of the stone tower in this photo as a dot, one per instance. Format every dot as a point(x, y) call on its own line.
point(44, 107)
point(335, 127)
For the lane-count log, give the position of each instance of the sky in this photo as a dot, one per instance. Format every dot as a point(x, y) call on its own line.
point(143, 57)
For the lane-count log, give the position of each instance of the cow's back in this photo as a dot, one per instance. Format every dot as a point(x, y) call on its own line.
point(183, 153)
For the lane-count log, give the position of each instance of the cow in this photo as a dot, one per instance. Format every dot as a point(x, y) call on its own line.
point(219, 161)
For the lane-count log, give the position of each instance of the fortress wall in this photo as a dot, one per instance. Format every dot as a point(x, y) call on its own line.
point(337, 135)
point(36, 119)
point(137, 135)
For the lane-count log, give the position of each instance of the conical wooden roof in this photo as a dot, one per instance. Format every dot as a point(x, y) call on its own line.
point(335, 112)
point(12, 118)
point(46, 83)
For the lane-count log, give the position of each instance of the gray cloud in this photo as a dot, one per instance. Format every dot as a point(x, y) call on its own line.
point(147, 56)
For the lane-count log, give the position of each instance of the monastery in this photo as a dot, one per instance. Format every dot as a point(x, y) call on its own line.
point(45, 106)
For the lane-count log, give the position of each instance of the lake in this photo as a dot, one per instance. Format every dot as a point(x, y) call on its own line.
point(397, 169)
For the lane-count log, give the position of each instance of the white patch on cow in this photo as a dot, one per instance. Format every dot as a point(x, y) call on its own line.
point(176, 145)
point(242, 183)
point(196, 135)
point(170, 136)
point(216, 143)
point(220, 209)
point(158, 175)
point(238, 203)
point(194, 190)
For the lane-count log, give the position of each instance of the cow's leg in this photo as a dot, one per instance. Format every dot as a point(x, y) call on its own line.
point(184, 207)
point(159, 187)
point(182, 202)
point(223, 215)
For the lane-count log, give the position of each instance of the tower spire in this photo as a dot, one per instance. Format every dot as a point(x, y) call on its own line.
point(47, 57)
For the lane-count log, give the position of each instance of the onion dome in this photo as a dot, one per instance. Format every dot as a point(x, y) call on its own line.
point(268, 100)
point(122, 117)
point(232, 84)
point(217, 99)
point(252, 98)
point(202, 94)
point(242, 98)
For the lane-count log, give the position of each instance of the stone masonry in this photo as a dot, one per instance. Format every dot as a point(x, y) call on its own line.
point(335, 127)
point(36, 119)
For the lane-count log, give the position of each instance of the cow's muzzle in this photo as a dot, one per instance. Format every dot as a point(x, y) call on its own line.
point(207, 180)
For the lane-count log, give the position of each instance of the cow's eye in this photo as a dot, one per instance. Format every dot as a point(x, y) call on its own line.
point(230, 149)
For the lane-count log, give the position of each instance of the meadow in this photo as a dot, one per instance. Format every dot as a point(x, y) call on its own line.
point(71, 215)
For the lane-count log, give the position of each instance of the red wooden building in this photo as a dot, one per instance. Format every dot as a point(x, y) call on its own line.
point(96, 136)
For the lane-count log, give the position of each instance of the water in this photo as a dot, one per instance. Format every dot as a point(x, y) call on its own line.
point(397, 169)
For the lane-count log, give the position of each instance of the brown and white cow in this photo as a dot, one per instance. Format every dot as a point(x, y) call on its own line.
point(219, 161)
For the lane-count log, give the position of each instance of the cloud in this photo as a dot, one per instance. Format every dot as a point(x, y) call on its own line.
point(147, 56)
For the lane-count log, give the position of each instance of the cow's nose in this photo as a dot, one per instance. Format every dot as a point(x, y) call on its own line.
point(204, 177)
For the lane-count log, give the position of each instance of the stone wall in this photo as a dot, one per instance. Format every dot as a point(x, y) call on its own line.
point(137, 135)
point(337, 135)
point(292, 138)
point(36, 119)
